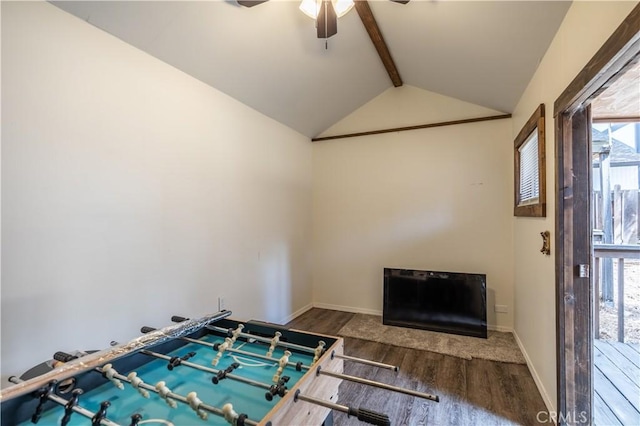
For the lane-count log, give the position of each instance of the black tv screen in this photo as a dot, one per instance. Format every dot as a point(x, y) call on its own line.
point(449, 302)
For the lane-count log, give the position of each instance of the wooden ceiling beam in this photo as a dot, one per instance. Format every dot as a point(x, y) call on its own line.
point(420, 126)
point(370, 24)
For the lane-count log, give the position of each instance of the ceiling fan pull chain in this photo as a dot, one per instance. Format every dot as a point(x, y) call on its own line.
point(326, 24)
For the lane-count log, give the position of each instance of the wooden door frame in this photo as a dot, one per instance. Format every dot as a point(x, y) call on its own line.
point(573, 246)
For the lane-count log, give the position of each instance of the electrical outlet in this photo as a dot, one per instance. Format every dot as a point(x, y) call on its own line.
point(221, 306)
point(502, 309)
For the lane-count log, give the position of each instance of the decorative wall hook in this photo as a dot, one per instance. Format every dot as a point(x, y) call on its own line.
point(546, 243)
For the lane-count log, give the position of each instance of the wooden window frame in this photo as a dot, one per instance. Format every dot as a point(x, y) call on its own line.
point(534, 124)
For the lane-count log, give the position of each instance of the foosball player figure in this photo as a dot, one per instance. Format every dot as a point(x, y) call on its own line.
point(195, 403)
point(136, 382)
point(68, 407)
point(231, 416)
point(228, 343)
point(101, 414)
point(164, 392)
point(274, 343)
point(222, 374)
point(235, 333)
point(279, 389)
point(317, 352)
point(281, 365)
point(135, 419)
point(43, 395)
point(109, 372)
point(177, 360)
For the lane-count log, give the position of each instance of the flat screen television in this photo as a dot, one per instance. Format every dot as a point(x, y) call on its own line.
point(449, 302)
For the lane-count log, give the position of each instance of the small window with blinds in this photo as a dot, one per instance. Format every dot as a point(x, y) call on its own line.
point(529, 182)
point(530, 167)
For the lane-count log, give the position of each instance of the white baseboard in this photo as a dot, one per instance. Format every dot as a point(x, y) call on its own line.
point(506, 329)
point(536, 377)
point(347, 309)
point(297, 313)
point(502, 328)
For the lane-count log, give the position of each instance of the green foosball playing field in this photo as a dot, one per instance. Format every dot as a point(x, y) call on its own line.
point(210, 371)
point(154, 410)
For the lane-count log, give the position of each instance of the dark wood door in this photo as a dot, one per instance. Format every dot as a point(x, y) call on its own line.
point(575, 387)
point(574, 307)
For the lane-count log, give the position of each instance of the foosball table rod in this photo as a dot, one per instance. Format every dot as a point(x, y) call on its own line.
point(365, 361)
point(63, 402)
point(209, 370)
point(297, 366)
point(226, 412)
point(302, 348)
point(225, 331)
point(361, 414)
point(101, 357)
point(364, 415)
point(380, 385)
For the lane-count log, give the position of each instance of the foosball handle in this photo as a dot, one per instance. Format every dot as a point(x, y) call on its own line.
point(369, 416)
point(178, 318)
point(64, 357)
point(147, 329)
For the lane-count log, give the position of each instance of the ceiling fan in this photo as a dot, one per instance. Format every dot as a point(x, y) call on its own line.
point(326, 13)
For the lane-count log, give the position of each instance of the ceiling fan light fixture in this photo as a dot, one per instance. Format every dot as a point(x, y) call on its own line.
point(342, 7)
point(311, 8)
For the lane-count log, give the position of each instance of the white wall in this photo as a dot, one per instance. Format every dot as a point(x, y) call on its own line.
point(132, 192)
point(436, 199)
point(585, 28)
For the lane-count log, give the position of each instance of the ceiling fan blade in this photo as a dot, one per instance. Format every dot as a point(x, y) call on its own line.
point(327, 21)
point(250, 3)
point(400, 1)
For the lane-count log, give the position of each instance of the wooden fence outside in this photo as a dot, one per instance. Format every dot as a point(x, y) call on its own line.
point(616, 238)
point(625, 206)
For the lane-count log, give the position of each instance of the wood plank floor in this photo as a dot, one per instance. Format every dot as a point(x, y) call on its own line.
point(475, 392)
point(616, 383)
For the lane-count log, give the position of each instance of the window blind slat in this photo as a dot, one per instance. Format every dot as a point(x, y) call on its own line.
point(529, 180)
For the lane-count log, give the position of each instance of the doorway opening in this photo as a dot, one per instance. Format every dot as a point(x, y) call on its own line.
point(615, 205)
point(575, 292)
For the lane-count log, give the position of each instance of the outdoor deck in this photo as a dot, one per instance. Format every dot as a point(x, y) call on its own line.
point(616, 383)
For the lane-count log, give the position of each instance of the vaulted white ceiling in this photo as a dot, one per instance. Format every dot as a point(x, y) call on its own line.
point(268, 56)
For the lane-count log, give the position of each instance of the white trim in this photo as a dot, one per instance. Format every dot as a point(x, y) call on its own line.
point(501, 328)
point(296, 314)
point(534, 373)
point(347, 309)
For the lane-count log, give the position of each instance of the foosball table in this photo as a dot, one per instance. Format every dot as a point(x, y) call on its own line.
point(208, 371)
